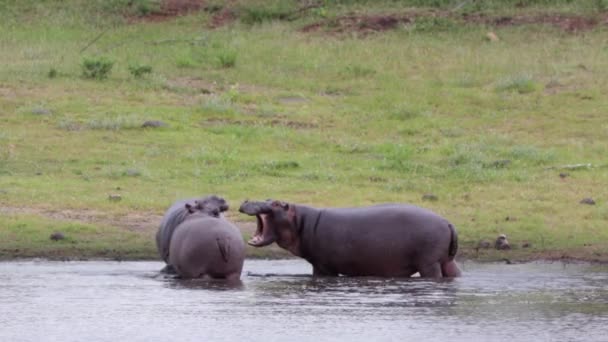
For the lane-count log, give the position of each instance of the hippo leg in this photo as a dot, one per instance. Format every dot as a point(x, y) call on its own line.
point(318, 272)
point(233, 277)
point(430, 271)
point(168, 269)
point(450, 269)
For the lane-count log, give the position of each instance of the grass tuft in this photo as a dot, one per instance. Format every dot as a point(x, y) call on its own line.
point(116, 123)
point(260, 12)
point(522, 84)
point(139, 70)
point(98, 68)
point(227, 58)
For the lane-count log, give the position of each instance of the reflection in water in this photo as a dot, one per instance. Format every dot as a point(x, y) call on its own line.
point(280, 301)
point(203, 284)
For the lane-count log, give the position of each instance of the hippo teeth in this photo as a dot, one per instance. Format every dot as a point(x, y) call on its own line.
point(255, 240)
point(261, 237)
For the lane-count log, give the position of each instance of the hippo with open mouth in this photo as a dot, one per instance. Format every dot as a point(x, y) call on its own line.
point(195, 240)
point(388, 240)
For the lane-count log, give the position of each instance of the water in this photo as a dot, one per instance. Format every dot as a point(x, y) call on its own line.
point(279, 301)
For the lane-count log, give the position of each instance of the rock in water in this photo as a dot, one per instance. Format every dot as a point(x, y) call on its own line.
point(56, 236)
point(502, 243)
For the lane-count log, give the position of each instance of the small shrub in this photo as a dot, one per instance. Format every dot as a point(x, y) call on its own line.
point(433, 24)
point(395, 157)
point(432, 3)
point(268, 12)
point(139, 71)
point(275, 168)
point(522, 84)
point(115, 123)
point(281, 165)
point(145, 7)
point(405, 112)
point(132, 173)
point(68, 125)
point(227, 58)
point(219, 105)
point(359, 71)
point(232, 94)
point(52, 73)
point(130, 7)
point(97, 68)
point(531, 155)
point(185, 62)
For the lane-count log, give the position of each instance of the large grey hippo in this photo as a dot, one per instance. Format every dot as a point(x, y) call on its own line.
point(196, 241)
point(389, 240)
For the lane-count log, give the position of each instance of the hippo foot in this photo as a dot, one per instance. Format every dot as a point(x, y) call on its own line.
point(169, 269)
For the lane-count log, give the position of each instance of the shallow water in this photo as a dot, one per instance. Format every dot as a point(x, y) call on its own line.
point(279, 301)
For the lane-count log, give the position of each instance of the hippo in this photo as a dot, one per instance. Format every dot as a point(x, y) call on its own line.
point(387, 240)
point(195, 240)
point(176, 214)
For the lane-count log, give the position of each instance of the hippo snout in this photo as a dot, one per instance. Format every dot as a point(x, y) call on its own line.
point(254, 207)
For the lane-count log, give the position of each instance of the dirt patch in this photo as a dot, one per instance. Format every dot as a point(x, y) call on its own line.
point(361, 24)
point(366, 24)
point(195, 84)
point(172, 8)
point(178, 7)
point(7, 93)
point(222, 18)
point(140, 222)
point(568, 23)
point(272, 123)
point(145, 223)
point(586, 253)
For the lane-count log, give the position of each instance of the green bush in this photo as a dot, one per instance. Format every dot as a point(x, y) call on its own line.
point(131, 7)
point(522, 84)
point(269, 11)
point(52, 73)
point(138, 70)
point(433, 24)
point(145, 7)
point(98, 68)
point(227, 58)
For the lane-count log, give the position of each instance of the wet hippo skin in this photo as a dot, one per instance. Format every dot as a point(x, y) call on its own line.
point(389, 240)
point(195, 240)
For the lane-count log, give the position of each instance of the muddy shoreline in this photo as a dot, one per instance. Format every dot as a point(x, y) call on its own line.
point(145, 225)
point(546, 257)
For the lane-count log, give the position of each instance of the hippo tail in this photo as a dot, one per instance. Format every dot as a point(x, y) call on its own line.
point(453, 242)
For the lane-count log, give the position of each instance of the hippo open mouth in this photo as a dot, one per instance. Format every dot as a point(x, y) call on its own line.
point(264, 235)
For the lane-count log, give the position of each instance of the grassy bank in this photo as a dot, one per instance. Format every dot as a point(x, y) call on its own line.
point(507, 134)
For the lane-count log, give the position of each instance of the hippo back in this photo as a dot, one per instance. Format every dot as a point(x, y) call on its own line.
point(207, 246)
point(175, 215)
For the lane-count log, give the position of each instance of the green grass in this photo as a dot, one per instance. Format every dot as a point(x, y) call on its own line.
point(29, 236)
point(389, 117)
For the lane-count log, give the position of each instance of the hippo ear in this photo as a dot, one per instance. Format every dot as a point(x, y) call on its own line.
point(189, 207)
point(215, 212)
point(280, 204)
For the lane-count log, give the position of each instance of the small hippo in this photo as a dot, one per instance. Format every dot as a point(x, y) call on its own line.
point(389, 240)
point(195, 240)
